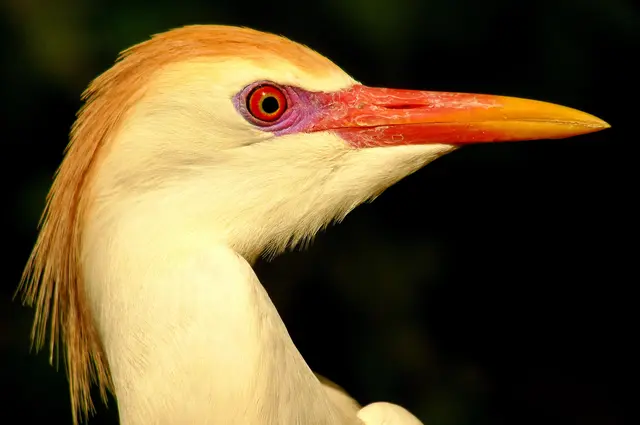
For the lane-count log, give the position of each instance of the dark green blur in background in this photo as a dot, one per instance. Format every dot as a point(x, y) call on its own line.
point(493, 287)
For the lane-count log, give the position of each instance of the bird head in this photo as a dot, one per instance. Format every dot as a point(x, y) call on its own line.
point(243, 138)
point(264, 141)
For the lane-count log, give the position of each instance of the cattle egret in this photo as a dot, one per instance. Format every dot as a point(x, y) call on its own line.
point(199, 150)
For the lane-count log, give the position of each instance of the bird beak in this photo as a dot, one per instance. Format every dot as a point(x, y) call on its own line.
point(368, 117)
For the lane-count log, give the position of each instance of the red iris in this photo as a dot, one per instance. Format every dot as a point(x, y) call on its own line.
point(266, 103)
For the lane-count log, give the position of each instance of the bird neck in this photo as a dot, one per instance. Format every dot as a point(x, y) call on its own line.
point(190, 334)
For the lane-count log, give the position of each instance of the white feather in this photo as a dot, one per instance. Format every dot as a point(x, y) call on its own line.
point(187, 197)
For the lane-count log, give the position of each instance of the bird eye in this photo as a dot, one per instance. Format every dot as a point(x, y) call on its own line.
point(266, 103)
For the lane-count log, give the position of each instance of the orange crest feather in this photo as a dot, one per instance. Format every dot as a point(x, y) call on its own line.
point(52, 280)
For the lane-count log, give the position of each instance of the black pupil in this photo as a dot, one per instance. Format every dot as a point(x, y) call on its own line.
point(270, 105)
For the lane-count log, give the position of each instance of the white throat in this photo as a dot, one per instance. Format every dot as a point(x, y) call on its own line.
point(189, 332)
point(191, 335)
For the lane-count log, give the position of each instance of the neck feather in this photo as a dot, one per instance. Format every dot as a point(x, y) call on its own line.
point(190, 334)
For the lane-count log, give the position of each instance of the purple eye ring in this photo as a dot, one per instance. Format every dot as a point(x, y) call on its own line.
point(297, 107)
